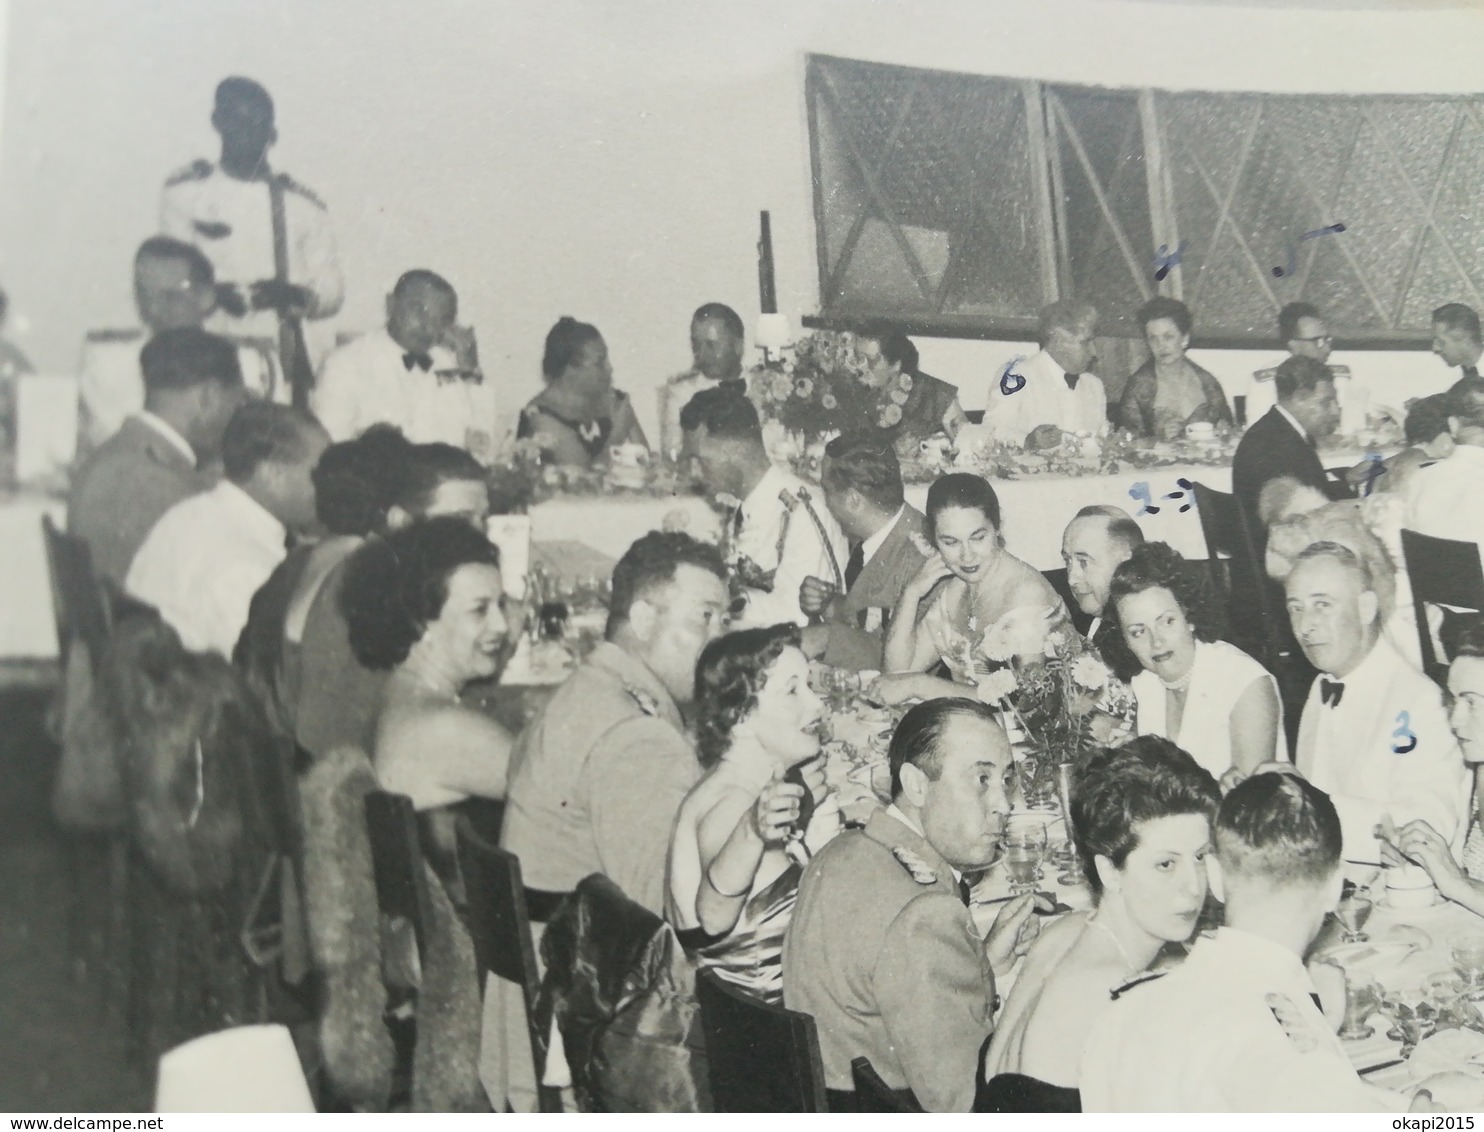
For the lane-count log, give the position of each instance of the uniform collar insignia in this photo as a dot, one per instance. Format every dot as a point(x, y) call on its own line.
point(1294, 1025)
point(922, 872)
point(1136, 981)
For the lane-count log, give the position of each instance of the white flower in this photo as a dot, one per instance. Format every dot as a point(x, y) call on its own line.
point(676, 520)
point(995, 687)
point(1089, 672)
point(1020, 632)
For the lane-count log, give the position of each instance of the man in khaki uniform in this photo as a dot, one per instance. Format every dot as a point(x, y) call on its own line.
point(881, 949)
point(597, 777)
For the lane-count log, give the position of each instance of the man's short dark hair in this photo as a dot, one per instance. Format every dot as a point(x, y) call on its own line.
point(261, 432)
point(650, 564)
point(1278, 829)
point(896, 347)
point(422, 277)
point(1457, 316)
point(236, 88)
point(918, 738)
point(1117, 522)
point(356, 481)
point(168, 247)
point(187, 357)
point(1466, 401)
point(428, 467)
point(720, 312)
point(1427, 419)
point(1116, 789)
point(866, 463)
point(1299, 376)
point(1288, 320)
point(724, 413)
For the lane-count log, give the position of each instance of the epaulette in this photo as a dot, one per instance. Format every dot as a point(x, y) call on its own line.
point(197, 170)
point(1136, 981)
point(120, 334)
point(620, 396)
point(647, 703)
point(1287, 1015)
point(292, 186)
point(921, 871)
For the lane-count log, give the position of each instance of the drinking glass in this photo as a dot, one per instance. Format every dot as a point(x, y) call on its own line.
point(1410, 1023)
point(1362, 999)
point(1024, 843)
point(1353, 911)
point(1065, 856)
point(1468, 961)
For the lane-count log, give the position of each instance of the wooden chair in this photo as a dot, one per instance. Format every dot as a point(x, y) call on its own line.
point(405, 905)
point(501, 929)
point(78, 601)
point(1446, 573)
point(761, 1058)
point(1238, 574)
point(872, 1094)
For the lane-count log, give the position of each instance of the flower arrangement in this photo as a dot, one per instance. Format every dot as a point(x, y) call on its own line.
point(1055, 689)
point(823, 388)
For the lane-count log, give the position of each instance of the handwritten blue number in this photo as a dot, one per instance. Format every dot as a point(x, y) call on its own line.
point(1405, 738)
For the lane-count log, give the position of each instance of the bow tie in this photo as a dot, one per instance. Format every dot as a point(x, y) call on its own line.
point(1470, 371)
point(422, 361)
point(1330, 691)
point(1071, 379)
point(733, 385)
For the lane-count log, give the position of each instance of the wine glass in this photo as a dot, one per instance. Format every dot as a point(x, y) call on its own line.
point(1410, 1023)
point(1468, 961)
point(1024, 842)
point(1362, 999)
point(1353, 910)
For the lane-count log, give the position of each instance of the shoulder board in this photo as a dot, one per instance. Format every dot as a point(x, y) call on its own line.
point(1265, 375)
point(292, 186)
point(121, 334)
point(1137, 981)
point(1287, 1015)
point(646, 702)
point(676, 379)
point(197, 170)
point(620, 396)
point(920, 870)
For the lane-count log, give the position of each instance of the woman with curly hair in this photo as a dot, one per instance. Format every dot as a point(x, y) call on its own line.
point(1141, 820)
point(426, 604)
point(1170, 391)
point(743, 831)
point(1208, 696)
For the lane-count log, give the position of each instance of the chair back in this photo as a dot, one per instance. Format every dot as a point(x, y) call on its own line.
point(397, 862)
point(77, 596)
point(761, 1058)
point(1442, 572)
point(1238, 574)
point(1057, 580)
point(872, 1094)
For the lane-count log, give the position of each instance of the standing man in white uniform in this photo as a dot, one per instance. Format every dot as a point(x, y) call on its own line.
point(270, 274)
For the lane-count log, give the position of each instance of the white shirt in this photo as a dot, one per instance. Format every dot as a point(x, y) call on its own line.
point(167, 430)
point(1232, 1029)
point(367, 382)
point(202, 563)
point(876, 541)
point(1446, 500)
point(1220, 676)
point(232, 222)
point(1353, 751)
point(1044, 399)
point(1293, 420)
point(110, 383)
point(804, 552)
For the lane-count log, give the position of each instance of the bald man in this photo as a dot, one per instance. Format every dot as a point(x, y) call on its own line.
point(1096, 542)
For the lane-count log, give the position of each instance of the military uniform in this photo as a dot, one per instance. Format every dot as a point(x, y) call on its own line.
point(232, 222)
point(881, 951)
point(780, 535)
point(676, 393)
point(111, 386)
point(1235, 1028)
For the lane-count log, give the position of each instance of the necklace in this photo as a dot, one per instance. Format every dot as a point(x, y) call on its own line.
point(1118, 943)
point(1180, 685)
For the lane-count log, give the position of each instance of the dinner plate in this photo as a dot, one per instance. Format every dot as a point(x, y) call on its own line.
point(1372, 954)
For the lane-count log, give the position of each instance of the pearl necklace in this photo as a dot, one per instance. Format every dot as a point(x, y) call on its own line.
point(1180, 685)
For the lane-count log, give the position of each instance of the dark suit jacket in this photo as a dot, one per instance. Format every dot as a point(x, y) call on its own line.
point(1272, 447)
point(882, 952)
point(122, 490)
point(878, 588)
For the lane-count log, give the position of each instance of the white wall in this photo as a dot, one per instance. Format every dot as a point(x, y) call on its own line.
point(605, 160)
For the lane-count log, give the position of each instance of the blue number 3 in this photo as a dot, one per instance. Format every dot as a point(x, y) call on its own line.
point(1404, 738)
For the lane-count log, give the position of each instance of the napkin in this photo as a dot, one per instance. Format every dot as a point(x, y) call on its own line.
point(1448, 1051)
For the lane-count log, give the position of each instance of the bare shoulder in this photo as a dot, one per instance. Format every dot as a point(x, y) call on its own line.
point(417, 728)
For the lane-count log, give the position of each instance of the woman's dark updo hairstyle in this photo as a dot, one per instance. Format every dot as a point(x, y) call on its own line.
point(395, 586)
point(357, 481)
point(429, 467)
point(564, 342)
point(1119, 787)
point(962, 489)
point(729, 674)
point(1156, 564)
point(1162, 306)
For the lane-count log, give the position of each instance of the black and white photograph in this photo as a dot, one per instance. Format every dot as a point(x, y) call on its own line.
point(647, 556)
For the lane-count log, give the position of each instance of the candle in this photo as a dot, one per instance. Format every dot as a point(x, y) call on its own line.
point(766, 289)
